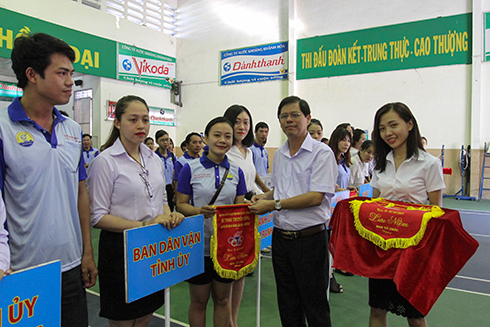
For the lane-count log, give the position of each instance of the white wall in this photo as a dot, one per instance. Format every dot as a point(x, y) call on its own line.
point(91, 21)
point(439, 96)
point(209, 27)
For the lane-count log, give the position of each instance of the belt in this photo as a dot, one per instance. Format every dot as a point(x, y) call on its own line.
point(291, 235)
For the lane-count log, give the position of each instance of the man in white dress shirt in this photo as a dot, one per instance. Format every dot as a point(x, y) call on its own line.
point(304, 173)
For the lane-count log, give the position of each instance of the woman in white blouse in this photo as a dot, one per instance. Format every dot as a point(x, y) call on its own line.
point(241, 155)
point(403, 172)
point(126, 186)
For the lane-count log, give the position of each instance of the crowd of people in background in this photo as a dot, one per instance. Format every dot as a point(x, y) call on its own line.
point(137, 181)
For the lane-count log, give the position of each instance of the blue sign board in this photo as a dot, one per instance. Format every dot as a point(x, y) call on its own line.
point(266, 225)
point(156, 258)
point(32, 297)
point(255, 64)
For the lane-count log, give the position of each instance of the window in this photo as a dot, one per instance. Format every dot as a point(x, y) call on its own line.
point(83, 110)
point(154, 14)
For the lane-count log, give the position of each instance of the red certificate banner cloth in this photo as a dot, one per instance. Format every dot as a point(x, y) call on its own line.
point(390, 225)
point(420, 272)
point(235, 244)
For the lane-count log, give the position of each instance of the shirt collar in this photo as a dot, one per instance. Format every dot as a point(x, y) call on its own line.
point(257, 145)
point(161, 155)
point(306, 146)
point(91, 149)
point(17, 113)
point(391, 157)
point(207, 163)
point(188, 156)
point(118, 148)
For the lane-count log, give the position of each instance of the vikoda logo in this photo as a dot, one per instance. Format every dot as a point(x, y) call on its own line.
point(144, 67)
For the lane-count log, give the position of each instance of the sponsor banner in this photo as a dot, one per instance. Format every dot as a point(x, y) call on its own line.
point(144, 67)
point(32, 297)
point(9, 91)
point(427, 43)
point(366, 190)
point(93, 55)
point(486, 36)
point(157, 258)
point(266, 225)
point(162, 116)
point(255, 64)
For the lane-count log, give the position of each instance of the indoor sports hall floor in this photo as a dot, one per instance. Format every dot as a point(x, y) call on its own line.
point(465, 302)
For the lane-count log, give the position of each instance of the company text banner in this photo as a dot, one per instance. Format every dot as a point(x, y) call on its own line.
point(144, 67)
point(255, 64)
point(162, 116)
point(427, 43)
point(32, 297)
point(9, 91)
point(157, 258)
point(94, 55)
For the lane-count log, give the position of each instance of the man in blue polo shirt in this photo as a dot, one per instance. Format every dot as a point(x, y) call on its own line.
point(89, 153)
point(261, 157)
point(42, 172)
point(304, 173)
point(193, 144)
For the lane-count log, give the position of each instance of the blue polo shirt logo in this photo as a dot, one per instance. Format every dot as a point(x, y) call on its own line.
point(24, 138)
point(229, 176)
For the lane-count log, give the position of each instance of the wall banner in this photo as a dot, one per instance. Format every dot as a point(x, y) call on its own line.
point(255, 64)
point(486, 36)
point(427, 43)
point(8, 91)
point(94, 55)
point(162, 116)
point(144, 66)
point(32, 297)
point(156, 258)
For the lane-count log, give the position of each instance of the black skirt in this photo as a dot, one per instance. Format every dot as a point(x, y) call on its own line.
point(384, 295)
point(112, 286)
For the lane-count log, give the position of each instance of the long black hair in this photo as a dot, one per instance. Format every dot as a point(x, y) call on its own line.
point(231, 114)
point(338, 135)
point(414, 143)
point(121, 106)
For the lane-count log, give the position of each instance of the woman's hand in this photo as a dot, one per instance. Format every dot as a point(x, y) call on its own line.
point(165, 220)
point(208, 211)
point(177, 218)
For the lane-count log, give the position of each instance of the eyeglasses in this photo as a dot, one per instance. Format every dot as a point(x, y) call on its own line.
point(294, 115)
point(146, 180)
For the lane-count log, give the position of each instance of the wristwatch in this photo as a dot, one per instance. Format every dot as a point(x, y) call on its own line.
point(278, 205)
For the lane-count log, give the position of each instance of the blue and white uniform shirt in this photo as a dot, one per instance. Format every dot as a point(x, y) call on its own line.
point(89, 156)
point(180, 163)
point(168, 161)
point(40, 174)
point(261, 159)
point(201, 178)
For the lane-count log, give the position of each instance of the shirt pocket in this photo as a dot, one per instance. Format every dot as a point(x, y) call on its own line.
point(70, 153)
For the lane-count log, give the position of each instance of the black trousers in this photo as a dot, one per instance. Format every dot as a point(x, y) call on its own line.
point(73, 299)
point(301, 272)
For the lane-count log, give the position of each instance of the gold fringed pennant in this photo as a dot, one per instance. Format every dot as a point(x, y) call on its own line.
point(235, 243)
point(392, 225)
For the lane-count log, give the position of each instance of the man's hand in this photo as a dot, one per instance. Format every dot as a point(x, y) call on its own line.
point(89, 270)
point(259, 207)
